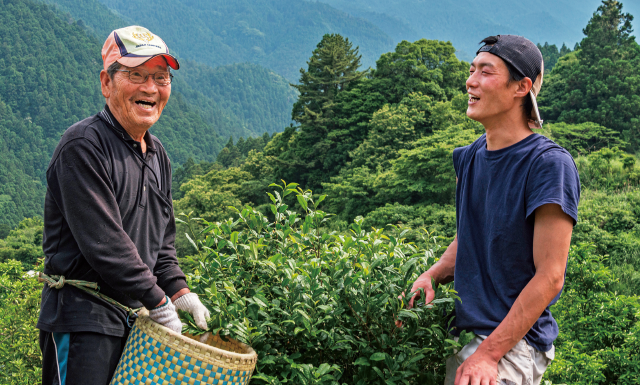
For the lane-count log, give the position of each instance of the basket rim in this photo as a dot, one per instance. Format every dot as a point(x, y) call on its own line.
point(250, 355)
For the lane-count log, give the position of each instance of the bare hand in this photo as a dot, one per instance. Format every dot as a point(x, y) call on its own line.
point(423, 282)
point(478, 369)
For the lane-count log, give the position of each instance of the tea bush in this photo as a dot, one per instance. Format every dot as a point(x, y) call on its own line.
point(20, 361)
point(318, 306)
point(599, 329)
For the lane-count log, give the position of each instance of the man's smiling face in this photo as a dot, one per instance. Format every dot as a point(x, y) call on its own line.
point(137, 106)
point(490, 93)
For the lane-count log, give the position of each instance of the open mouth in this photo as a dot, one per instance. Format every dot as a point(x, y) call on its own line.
point(473, 99)
point(147, 105)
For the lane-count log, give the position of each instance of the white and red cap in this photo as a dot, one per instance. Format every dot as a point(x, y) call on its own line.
point(133, 46)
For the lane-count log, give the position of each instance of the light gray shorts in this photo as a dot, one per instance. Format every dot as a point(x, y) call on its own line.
point(522, 365)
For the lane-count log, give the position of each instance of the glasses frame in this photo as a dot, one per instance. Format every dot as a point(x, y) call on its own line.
point(153, 76)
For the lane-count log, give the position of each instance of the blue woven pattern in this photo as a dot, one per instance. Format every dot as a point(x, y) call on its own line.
point(147, 361)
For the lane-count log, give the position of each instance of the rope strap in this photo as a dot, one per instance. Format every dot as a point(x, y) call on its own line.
point(58, 281)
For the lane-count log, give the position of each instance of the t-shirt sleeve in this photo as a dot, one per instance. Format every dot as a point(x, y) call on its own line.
point(554, 179)
point(457, 154)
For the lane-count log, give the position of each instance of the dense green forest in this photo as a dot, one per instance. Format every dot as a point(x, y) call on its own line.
point(238, 99)
point(308, 271)
point(49, 80)
point(459, 21)
point(375, 147)
point(275, 34)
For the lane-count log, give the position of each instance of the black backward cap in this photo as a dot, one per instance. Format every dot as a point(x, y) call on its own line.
point(518, 51)
point(526, 58)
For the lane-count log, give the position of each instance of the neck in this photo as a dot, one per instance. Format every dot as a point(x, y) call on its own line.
point(506, 131)
point(136, 133)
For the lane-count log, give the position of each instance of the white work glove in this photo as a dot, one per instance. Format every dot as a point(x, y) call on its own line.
point(167, 316)
point(191, 303)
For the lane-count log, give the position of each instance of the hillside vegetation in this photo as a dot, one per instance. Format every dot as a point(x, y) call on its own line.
point(273, 33)
point(237, 99)
point(300, 242)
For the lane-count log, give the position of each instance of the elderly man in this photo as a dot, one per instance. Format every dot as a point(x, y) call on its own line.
point(516, 203)
point(109, 219)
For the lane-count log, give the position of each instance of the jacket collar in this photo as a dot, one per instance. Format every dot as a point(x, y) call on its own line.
point(113, 123)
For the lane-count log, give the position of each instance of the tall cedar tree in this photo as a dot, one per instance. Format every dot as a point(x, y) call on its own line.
point(599, 82)
point(332, 67)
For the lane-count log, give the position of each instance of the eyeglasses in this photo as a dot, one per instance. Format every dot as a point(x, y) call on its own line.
point(139, 76)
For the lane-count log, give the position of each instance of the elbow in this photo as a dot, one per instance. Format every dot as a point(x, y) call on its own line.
point(556, 283)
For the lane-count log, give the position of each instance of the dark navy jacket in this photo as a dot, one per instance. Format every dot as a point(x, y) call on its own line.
point(108, 219)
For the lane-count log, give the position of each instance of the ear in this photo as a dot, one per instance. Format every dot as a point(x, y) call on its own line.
point(106, 84)
point(524, 86)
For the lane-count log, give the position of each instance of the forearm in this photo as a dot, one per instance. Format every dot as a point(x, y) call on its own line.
point(526, 310)
point(442, 271)
point(170, 277)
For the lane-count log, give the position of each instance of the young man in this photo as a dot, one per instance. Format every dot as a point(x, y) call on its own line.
point(109, 219)
point(516, 204)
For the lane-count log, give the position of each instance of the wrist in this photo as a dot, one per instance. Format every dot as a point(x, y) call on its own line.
point(164, 302)
point(180, 293)
point(489, 353)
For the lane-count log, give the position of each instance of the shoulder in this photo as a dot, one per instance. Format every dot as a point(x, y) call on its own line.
point(82, 136)
point(548, 153)
point(161, 150)
point(460, 154)
point(88, 128)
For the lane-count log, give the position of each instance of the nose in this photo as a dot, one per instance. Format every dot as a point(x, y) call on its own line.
point(471, 80)
point(149, 86)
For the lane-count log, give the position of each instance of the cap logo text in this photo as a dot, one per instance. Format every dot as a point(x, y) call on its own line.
point(146, 36)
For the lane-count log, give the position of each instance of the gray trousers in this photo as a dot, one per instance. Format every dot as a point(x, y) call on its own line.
point(522, 365)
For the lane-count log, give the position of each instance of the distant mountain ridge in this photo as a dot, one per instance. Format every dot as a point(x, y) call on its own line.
point(465, 22)
point(276, 34)
point(49, 81)
point(238, 99)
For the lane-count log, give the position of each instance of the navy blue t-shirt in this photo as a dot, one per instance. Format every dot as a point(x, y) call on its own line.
point(496, 196)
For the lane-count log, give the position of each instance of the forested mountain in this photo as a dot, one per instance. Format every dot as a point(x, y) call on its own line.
point(48, 81)
point(272, 33)
point(466, 22)
point(239, 99)
point(257, 98)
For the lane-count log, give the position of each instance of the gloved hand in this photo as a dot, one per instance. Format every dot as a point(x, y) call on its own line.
point(191, 303)
point(166, 315)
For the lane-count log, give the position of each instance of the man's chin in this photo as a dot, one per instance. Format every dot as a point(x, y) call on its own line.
point(473, 115)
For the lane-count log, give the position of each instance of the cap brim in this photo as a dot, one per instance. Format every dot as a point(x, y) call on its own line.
point(536, 121)
point(134, 61)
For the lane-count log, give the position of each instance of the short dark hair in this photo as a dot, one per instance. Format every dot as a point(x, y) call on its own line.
point(111, 70)
point(514, 76)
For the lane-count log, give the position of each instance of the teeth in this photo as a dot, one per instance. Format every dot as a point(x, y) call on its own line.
point(144, 104)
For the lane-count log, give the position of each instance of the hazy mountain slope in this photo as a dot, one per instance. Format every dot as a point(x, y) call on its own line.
point(465, 22)
point(277, 34)
point(237, 99)
point(92, 14)
point(254, 95)
point(48, 81)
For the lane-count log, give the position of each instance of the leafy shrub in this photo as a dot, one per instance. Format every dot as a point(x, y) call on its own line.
point(608, 169)
point(23, 244)
point(319, 307)
point(20, 360)
point(598, 341)
point(610, 220)
point(582, 139)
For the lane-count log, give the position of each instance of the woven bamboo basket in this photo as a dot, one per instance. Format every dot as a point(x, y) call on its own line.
point(155, 354)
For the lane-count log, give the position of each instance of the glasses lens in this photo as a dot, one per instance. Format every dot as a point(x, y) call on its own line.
point(138, 76)
point(162, 78)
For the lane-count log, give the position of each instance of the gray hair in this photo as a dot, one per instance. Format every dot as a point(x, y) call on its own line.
point(111, 70)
